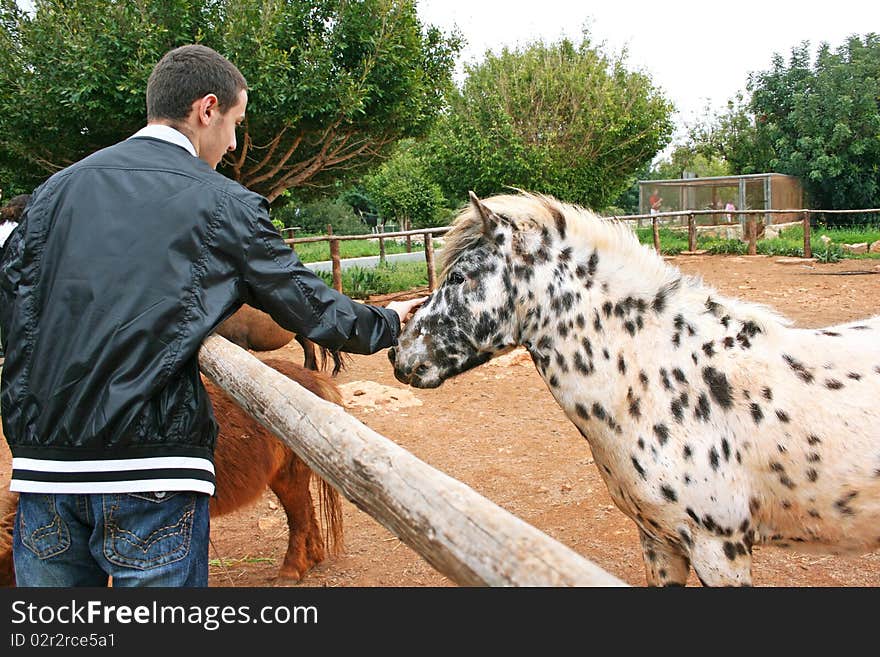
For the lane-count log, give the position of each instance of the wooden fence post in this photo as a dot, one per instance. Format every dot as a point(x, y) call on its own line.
point(692, 233)
point(335, 260)
point(808, 248)
point(429, 259)
point(752, 233)
point(655, 228)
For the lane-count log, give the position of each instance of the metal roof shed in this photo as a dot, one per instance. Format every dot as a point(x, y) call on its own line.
point(756, 191)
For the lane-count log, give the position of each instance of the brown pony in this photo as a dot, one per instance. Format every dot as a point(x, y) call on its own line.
point(253, 329)
point(248, 458)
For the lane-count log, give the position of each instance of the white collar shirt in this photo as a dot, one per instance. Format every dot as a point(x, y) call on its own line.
point(166, 133)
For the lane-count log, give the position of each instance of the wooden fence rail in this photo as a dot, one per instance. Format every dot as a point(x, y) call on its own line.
point(462, 534)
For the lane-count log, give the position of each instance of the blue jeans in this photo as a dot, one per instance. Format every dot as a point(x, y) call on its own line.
point(138, 539)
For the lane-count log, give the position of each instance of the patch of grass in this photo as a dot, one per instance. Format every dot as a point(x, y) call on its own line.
point(781, 247)
point(790, 242)
point(318, 251)
point(832, 253)
point(726, 247)
point(793, 239)
point(361, 282)
point(672, 242)
point(850, 235)
point(231, 562)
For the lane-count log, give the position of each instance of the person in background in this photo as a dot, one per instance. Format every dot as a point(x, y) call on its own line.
point(728, 208)
point(655, 201)
point(122, 265)
point(9, 216)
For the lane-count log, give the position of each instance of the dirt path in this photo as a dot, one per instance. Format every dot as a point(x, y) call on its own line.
point(498, 430)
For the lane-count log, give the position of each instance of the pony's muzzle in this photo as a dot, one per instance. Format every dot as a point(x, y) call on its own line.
point(409, 373)
point(402, 372)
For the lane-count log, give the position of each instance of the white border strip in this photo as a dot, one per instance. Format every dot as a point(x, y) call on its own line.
point(136, 486)
point(113, 465)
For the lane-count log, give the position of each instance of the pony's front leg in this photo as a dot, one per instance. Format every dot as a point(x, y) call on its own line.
point(664, 564)
point(721, 561)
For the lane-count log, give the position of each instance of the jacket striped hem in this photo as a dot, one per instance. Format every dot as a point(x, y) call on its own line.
point(112, 476)
point(142, 486)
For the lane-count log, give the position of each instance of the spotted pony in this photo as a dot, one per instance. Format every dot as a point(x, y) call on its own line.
point(715, 424)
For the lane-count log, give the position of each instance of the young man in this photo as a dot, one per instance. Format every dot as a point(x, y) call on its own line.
point(124, 263)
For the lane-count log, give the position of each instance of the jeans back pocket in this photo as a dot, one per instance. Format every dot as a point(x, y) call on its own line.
point(148, 530)
point(43, 530)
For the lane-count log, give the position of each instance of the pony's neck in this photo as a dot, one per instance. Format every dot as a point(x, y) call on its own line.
point(602, 305)
point(598, 274)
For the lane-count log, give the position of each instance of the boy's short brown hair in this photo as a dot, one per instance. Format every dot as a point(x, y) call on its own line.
point(188, 73)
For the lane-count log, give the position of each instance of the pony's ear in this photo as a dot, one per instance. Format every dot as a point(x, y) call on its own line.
point(484, 212)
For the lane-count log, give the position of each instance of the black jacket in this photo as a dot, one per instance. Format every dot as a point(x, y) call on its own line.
point(122, 265)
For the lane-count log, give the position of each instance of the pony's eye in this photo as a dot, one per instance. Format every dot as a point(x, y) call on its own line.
point(455, 278)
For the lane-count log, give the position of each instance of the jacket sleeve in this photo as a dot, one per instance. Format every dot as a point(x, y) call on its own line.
point(10, 273)
point(277, 282)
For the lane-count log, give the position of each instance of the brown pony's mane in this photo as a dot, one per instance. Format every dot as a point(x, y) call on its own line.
point(8, 506)
point(14, 208)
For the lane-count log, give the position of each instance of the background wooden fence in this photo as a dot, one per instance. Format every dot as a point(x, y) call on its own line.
point(427, 234)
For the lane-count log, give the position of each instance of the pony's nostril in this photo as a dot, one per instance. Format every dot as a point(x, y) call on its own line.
point(421, 369)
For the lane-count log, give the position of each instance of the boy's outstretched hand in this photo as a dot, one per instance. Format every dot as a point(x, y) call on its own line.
point(406, 308)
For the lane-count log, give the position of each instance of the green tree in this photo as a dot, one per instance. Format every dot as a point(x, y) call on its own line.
point(358, 199)
point(685, 158)
point(731, 136)
point(316, 214)
point(561, 119)
point(822, 120)
point(628, 201)
point(333, 83)
point(404, 191)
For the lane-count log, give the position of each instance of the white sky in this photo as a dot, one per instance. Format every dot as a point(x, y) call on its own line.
point(697, 52)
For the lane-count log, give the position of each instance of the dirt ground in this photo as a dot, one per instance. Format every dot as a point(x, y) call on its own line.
point(498, 430)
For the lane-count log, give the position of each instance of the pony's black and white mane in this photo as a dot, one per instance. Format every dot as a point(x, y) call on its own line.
point(640, 265)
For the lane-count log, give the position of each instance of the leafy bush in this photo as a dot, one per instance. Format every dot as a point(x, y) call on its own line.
point(315, 216)
point(568, 119)
point(831, 253)
point(614, 211)
point(727, 247)
point(780, 247)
